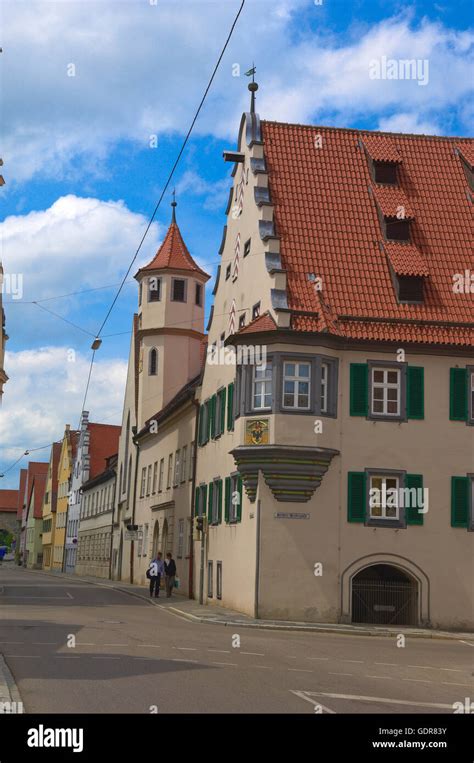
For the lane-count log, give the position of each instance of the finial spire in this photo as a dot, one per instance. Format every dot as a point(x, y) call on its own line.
point(174, 205)
point(253, 87)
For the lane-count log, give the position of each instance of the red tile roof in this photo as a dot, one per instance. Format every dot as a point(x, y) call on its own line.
point(37, 474)
point(328, 225)
point(174, 254)
point(381, 148)
point(39, 484)
point(264, 322)
point(103, 442)
point(467, 151)
point(8, 500)
point(406, 259)
point(392, 202)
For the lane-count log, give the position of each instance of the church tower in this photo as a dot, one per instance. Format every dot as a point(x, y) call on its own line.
point(170, 323)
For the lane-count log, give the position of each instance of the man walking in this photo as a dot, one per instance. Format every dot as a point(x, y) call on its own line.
point(155, 571)
point(170, 572)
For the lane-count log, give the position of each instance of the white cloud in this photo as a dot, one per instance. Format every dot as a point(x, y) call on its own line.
point(408, 123)
point(45, 391)
point(215, 193)
point(75, 244)
point(141, 69)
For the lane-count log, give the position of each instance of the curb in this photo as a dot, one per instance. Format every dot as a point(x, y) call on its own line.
point(270, 626)
point(9, 691)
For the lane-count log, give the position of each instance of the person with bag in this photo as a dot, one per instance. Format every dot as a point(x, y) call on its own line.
point(170, 573)
point(154, 573)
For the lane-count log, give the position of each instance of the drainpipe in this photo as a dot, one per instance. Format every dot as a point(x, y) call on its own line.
point(132, 543)
point(193, 495)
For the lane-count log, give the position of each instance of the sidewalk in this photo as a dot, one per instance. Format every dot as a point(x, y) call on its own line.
point(192, 610)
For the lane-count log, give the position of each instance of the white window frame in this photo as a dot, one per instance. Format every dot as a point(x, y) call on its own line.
point(234, 488)
point(191, 461)
point(177, 463)
point(180, 538)
point(161, 475)
point(155, 475)
point(324, 387)
point(296, 379)
point(184, 455)
point(170, 471)
point(260, 387)
point(215, 503)
point(142, 486)
point(148, 480)
point(385, 385)
point(383, 515)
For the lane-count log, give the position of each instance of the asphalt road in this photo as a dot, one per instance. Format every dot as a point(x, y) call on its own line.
point(77, 647)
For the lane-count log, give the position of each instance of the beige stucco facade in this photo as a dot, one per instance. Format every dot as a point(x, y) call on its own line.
point(95, 528)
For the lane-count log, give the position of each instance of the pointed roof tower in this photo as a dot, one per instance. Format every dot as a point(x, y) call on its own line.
point(173, 252)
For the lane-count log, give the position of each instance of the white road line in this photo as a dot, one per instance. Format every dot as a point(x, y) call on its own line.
point(453, 670)
point(67, 656)
point(359, 661)
point(12, 642)
point(262, 667)
point(176, 659)
point(393, 664)
point(155, 646)
point(255, 654)
point(186, 648)
point(362, 698)
point(112, 644)
point(85, 643)
point(302, 695)
point(233, 664)
point(340, 674)
point(469, 643)
point(384, 678)
point(317, 658)
point(46, 643)
point(300, 670)
point(451, 683)
point(418, 680)
point(30, 656)
point(222, 651)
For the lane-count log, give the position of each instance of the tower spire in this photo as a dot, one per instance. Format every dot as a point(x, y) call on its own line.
point(174, 205)
point(253, 87)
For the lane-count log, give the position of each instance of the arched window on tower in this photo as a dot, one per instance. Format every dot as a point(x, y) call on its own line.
point(153, 361)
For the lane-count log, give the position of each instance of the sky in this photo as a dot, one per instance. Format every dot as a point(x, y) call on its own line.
point(97, 97)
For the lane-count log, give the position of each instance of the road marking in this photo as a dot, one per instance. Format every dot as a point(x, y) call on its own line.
point(112, 644)
point(255, 654)
point(384, 678)
point(176, 659)
point(300, 670)
point(340, 674)
point(104, 657)
point(469, 643)
point(155, 646)
point(85, 643)
point(30, 656)
point(222, 651)
point(67, 656)
point(453, 670)
point(418, 680)
point(302, 695)
point(46, 643)
point(451, 683)
point(359, 661)
point(393, 664)
point(12, 642)
point(186, 648)
point(233, 664)
point(262, 667)
point(317, 658)
point(362, 698)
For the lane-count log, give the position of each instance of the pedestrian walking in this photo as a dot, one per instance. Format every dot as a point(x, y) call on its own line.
point(154, 573)
point(170, 573)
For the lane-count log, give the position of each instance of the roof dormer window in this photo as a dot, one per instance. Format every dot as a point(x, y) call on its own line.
point(397, 230)
point(410, 289)
point(385, 173)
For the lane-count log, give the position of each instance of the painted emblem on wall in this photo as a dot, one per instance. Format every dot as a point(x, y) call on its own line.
point(256, 432)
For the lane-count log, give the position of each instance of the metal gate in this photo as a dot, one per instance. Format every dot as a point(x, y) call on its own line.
point(384, 602)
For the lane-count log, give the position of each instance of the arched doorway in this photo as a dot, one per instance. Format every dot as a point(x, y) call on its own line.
point(156, 539)
point(384, 595)
point(164, 538)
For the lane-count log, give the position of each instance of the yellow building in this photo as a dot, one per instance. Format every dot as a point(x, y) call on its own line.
point(50, 505)
point(66, 460)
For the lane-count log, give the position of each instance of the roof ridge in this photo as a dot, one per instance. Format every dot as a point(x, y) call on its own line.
point(359, 131)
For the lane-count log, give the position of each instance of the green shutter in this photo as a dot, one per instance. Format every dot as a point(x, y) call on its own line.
point(203, 499)
point(227, 500)
point(356, 496)
point(201, 425)
point(219, 501)
point(212, 417)
point(460, 501)
point(415, 392)
point(209, 502)
point(222, 411)
point(412, 515)
point(196, 502)
point(458, 394)
point(239, 507)
point(359, 389)
point(230, 407)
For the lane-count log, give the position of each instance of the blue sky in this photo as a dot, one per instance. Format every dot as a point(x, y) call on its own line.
point(82, 179)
